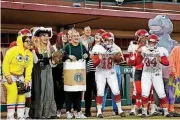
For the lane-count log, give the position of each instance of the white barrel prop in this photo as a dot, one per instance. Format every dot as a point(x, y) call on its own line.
point(75, 75)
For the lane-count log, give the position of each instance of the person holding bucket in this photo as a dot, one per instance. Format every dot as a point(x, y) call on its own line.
point(74, 75)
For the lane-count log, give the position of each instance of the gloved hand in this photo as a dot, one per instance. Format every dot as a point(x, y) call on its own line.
point(72, 57)
point(85, 56)
point(22, 88)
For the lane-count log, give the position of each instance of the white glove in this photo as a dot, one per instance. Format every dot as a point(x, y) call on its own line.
point(85, 56)
point(72, 57)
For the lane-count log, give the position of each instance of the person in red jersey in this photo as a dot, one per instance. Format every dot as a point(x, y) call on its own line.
point(135, 60)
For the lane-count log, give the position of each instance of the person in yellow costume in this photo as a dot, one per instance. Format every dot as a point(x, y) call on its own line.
point(17, 61)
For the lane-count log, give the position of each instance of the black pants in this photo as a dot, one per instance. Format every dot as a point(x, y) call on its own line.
point(75, 99)
point(90, 87)
point(59, 93)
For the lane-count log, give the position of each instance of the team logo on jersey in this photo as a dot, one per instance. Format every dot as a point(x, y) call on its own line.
point(78, 77)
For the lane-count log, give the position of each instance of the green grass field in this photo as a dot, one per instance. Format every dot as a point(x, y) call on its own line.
point(108, 115)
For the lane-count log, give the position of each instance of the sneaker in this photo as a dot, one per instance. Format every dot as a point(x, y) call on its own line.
point(69, 115)
point(81, 115)
point(54, 117)
point(75, 114)
point(59, 113)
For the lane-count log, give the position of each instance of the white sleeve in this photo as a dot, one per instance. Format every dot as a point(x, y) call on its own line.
point(144, 49)
point(132, 47)
point(35, 58)
point(93, 50)
point(163, 51)
point(52, 65)
point(54, 47)
point(166, 52)
point(98, 49)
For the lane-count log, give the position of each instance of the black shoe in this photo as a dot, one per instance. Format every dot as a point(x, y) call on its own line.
point(139, 111)
point(100, 116)
point(88, 114)
point(174, 114)
point(54, 117)
point(132, 113)
point(148, 112)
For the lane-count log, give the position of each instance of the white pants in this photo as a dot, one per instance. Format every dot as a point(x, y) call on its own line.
point(133, 74)
point(15, 78)
point(110, 76)
point(148, 79)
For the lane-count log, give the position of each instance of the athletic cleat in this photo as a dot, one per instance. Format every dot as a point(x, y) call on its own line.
point(123, 114)
point(154, 114)
point(139, 112)
point(168, 115)
point(143, 115)
point(174, 114)
point(132, 113)
point(100, 116)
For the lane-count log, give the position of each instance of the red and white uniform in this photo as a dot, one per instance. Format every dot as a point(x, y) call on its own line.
point(105, 71)
point(153, 59)
point(152, 71)
point(135, 60)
